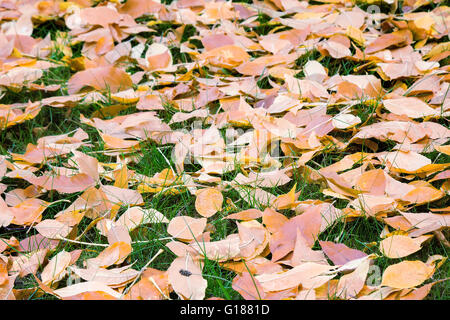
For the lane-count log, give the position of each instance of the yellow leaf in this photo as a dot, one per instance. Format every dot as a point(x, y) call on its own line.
point(399, 246)
point(356, 35)
point(406, 274)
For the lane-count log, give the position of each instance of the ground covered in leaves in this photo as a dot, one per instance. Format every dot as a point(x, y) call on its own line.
point(197, 149)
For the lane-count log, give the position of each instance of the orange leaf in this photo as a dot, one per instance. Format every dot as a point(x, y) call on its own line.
point(53, 229)
point(254, 238)
point(101, 78)
point(406, 274)
point(55, 270)
point(400, 37)
point(249, 214)
point(248, 287)
point(399, 246)
point(114, 254)
point(186, 228)
point(208, 202)
point(185, 276)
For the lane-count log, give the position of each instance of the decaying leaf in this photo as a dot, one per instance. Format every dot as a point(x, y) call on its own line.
point(136, 216)
point(186, 228)
point(309, 275)
point(406, 274)
point(98, 288)
point(55, 270)
point(114, 254)
point(208, 202)
point(399, 246)
point(290, 144)
point(185, 276)
point(52, 229)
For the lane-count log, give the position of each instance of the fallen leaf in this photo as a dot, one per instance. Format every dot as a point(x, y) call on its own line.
point(410, 106)
point(101, 78)
point(208, 202)
point(339, 253)
point(185, 276)
point(248, 287)
point(186, 228)
point(136, 216)
point(406, 274)
point(114, 254)
point(93, 287)
point(52, 229)
point(310, 275)
point(55, 270)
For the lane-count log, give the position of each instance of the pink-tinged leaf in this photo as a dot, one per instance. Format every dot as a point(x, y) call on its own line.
point(102, 78)
point(339, 253)
point(53, 229)
point(185, 276)
point(248, 287)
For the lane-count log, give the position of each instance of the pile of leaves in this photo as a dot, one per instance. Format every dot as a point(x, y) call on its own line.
point(198, 149)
